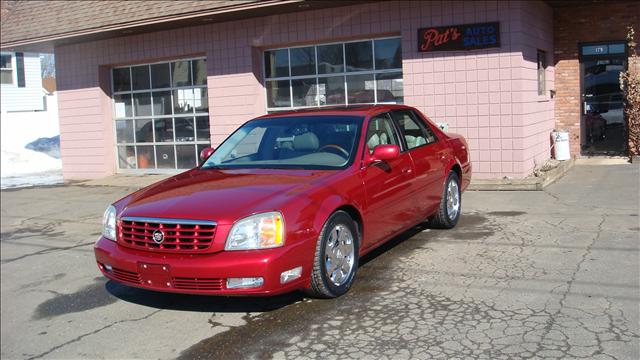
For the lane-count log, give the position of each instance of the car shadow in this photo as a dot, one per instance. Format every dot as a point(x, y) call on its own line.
point(200, 303)
point(213, 303)
point(392, 243)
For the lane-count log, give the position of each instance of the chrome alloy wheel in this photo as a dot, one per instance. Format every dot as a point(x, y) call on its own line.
point(339, 255)
point(453, 199)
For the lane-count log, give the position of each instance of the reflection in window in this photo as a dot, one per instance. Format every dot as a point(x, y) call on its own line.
point(278, 94)
point(127, 157)
point(360, 89)
point(276, 63)
point(145, 157)
point(181, 71)
point(144, 130)
point(142, 104)
point(165, 157)
point(359, 56)
point(124, 131)
point(183, 101)
point(388, 54)
point(304, 92)
point(163, 130)
point(330, 59)
point(162, 103)
point(121, 79)
point(122, 106)
point(161, 114)
point(331, 90)
point(542, 66)
point(185, 156)
point(140, 77)
point(356, 72)
point(160, 77)
point(389, 87)
point(185, 131)
point(303, 61)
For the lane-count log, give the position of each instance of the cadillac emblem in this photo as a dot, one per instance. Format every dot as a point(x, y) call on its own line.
point(158, 236)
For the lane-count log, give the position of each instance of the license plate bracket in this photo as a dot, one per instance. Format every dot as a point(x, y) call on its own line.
point(155, 275)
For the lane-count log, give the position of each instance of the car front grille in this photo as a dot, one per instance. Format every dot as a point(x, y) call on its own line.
point(177, 235)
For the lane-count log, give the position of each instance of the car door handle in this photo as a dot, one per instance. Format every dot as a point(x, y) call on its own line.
point(407, 170)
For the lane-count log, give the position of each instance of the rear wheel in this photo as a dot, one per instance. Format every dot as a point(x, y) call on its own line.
point(450, 204)
point(336, 260)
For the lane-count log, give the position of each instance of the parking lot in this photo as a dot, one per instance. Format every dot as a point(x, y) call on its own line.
point(547, 274)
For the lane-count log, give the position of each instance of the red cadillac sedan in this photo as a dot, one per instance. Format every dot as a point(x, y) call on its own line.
point(289, 201)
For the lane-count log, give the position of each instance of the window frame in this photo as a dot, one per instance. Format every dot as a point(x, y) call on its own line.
point(394, 127)
point(11, 69)
point(319, 76)
point(194, 115)
point(541, 71)
point(424, 127)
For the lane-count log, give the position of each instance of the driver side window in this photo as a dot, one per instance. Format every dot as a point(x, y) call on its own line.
point(381, 132)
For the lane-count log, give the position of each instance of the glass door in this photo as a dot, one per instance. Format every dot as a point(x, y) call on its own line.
point(603, 123)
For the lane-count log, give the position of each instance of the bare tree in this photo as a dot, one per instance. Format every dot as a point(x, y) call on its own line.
point(48, 65)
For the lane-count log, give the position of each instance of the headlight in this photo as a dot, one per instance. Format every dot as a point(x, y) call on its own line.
point(109, 223)
point(261, 231)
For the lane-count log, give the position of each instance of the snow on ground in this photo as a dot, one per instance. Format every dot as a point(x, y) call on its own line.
point(24, 167)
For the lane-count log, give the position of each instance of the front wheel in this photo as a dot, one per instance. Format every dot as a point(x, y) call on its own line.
point(450, 204)
point(336, 260)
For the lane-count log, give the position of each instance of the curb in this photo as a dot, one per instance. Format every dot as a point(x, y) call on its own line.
point(526, 184)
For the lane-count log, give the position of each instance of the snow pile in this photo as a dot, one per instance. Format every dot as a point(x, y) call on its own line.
point(20, 166)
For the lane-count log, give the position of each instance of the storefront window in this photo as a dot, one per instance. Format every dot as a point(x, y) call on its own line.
point(356, 72)
point(161, 114)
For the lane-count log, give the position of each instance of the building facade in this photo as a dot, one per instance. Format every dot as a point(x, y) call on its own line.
point(20, 82)
point(148, 101)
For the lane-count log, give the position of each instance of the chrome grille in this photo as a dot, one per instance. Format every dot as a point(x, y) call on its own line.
point(178, 235)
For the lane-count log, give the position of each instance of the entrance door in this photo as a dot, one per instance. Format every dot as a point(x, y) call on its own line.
point(603, 123)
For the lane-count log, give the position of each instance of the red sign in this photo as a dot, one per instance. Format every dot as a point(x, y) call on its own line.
point(459, 37)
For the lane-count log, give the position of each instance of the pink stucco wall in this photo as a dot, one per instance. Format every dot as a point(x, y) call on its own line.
point(490, 96)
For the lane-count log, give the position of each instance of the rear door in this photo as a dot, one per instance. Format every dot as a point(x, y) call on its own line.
point(389, 186)
point(428, 154)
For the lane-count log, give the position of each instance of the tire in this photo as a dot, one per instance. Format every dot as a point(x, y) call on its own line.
point(339, 228)
point(449, 209)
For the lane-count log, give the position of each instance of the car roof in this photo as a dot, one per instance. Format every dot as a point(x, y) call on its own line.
point(348, 110)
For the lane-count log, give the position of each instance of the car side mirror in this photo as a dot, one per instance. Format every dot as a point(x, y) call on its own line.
point(205, 153)
point(385, 152)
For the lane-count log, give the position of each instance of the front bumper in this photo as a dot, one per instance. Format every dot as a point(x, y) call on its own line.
point(203, 273)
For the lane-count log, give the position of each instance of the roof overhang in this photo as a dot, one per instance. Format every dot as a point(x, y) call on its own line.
point(46, 44)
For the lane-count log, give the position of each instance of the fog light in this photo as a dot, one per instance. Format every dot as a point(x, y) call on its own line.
point(289, 275)
point(242, 283)
point(108, 267)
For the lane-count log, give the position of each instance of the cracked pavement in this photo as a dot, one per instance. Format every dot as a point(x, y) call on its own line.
point(548, 274)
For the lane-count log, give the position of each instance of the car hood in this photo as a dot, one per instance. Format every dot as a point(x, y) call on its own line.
point(221, 195)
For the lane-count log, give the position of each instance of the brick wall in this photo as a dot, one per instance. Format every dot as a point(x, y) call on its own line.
point(487, 95)
point(583, 22)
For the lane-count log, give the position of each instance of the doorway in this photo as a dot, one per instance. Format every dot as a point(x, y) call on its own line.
point(603, 125)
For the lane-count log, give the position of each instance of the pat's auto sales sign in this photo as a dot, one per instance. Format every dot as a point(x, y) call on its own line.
point(459, 37)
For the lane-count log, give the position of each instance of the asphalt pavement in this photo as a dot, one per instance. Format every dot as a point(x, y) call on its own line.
point(538, 274)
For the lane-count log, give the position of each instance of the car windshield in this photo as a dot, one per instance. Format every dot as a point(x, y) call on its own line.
point(300, 142)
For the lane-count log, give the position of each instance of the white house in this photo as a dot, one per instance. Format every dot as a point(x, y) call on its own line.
point(21, 82)
point(27, 112)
